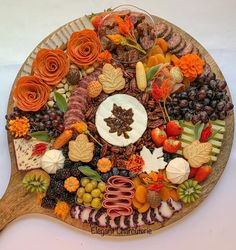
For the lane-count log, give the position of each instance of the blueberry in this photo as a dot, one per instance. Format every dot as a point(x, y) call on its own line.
point(131, 174)
point(115, 171)
point(124, 173)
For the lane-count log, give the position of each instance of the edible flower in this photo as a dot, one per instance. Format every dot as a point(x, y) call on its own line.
point(206, 133)
point(104, 57)
point(39, 149)
point(19, 126)
point(191, 66)
point(125, 26)
point(135, 164)
point(62, 209)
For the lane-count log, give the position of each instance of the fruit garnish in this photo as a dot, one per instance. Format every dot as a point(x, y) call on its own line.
point(192, 172)
point(158, 136)
point(206, 133)
point(36, 181)
point(71, 184)
point(62, 139)
point(197, 153)
point(19, 126)
point(135, 164)
point(141, 194)
point(173, 128)
point(96, 21)
point(189, 191)
point(171, 146)
point(104, 165)
point(104, 57)
point(202, 173)
point(39, 149)
point(61, 210)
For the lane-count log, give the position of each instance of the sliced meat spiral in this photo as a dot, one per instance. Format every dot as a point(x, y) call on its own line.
point(118, 195)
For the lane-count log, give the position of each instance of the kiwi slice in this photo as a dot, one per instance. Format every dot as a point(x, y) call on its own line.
point(36, 181)
point(189, 191)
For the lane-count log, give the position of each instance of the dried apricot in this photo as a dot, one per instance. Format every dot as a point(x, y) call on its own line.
point(156, 50)
point(144, 208)
point(136, 204)
point(141, 194)
point(168, 58)
point(136, 180)
point(164, 193)
point(174, 60)
point(152, 61)
point(174, 195)
point(160, 58)
point(163, 44)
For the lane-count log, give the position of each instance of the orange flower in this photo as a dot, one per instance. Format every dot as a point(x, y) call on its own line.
point(80, 127)
point(51, 65)
point(84, 47)
point(104, 57)
point(30, 93)
point(117, 39)
point(135, 164)
point(19, 126)
point(191, 66)
point(62, 209)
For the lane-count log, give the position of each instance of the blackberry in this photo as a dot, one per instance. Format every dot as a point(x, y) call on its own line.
point(70, 199)
point(131, 174)
point(63, 174)
point(115, 171)
point(59, 187)
point(53, 180)
point(95, 160)
point(48, 203)
point(67, 163)
point(97, 150)
point(124, 173)
point(106, 176)
point(65, 151)
point(63, 196)
point(75, 171)
point(51, 193)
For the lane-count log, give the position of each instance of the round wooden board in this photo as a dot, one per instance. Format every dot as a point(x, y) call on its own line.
point(17, 202)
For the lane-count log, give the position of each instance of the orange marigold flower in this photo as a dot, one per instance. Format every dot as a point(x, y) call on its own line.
point(19, 126)
point(135, 164)
point(104, 57)
point(62, 209)
point(191, 66)
point(117, 39)
point(80, 127)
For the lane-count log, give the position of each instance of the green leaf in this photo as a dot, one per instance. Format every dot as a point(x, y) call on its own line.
point(41, 135)
point(61, 101)
point(198, 130)
point(92, 174)
point(152, 71)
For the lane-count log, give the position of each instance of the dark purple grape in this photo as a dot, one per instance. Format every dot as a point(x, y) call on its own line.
point(204, 116)
point(220, 106)
point(213, 104)
point(221, 85)
point(59, 112)
point(183, 103)
point(192, 95)
point(183, 95)
point(210, 93)
point(213, 84)
point(46, 118)
point(48, 124)
point(213, 116)
point(201, 94)
point(208, 109)
point(198, 106)
point(188, 117)
point(53, 116)
point(229, 106)
point(60, 127)
point(41, 126)
point(55, 123)
point(191, 104)
point(205, 87)
point(195, 118)
point(58, 118)
point(206, 101)
point(222, 115)
point(174, 101)
point(219, 95)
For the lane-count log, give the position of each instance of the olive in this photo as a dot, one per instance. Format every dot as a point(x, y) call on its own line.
point(220, 105)
point(183, 103)
point(201, 94)
point(213, 116)
point(206, 101)
point(221, 85)
point(213, 84)
point(188, 116)
point(198, 106)
point(195, 118)
point(229, 106)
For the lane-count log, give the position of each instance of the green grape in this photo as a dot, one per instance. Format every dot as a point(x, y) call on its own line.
point(80, 192)
point(87, 198)
point(89, 187)
point(102, 186)
point(96, 203)
point(96, 192)
point(87, 204)
point(94, 183)
point(84, 181)
point(79, 201)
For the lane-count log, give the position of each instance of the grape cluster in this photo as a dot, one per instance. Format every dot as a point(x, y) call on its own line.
point(206, 99)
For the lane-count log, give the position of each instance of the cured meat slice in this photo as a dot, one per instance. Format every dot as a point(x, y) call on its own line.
point(160, 29)
point(195, 50)
point(122, 222)
point(176, 206)
point(187, 49)
point(174, 41)
point(75, 212)
point(157, 215)
point(84, 214)
point(165, 211)
point(179, 47)
point(140, 221)
point(168, 33)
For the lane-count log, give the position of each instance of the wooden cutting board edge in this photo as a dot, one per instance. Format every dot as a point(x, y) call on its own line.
point(17, 202)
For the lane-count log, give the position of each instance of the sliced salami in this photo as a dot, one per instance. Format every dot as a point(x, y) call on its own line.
point(174, 41)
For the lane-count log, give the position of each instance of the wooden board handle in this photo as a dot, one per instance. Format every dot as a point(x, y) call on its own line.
point(15, 202)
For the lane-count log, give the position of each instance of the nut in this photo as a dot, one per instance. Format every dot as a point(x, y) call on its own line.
point(90, 70)
point(50, 103)
point(61, 91)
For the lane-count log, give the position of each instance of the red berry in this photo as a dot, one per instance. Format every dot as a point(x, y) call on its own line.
point(171, 146)
point(203, 173)
point(158, 136)
point(193, 172)
point(173, 128)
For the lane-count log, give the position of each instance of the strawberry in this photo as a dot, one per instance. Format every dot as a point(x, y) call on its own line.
point(202, 173)
point(171, 146)
point(193, 172)
point(173, 128)
point(96, 20)
point(158, 136)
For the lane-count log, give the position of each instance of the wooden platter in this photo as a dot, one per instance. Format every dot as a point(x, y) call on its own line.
point(17, 201)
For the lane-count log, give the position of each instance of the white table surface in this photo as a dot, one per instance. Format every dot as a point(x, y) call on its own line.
point(212, 22)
